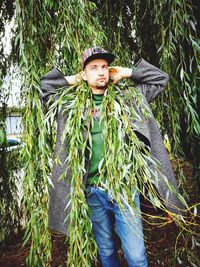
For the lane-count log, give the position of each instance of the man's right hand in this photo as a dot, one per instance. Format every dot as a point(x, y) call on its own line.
point(74, 79)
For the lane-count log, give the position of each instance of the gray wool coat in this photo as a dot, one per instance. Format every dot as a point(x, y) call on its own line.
point(151, 81)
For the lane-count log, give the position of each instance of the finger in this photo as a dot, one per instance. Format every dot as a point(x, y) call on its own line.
point(114, 67)
point(112, 72)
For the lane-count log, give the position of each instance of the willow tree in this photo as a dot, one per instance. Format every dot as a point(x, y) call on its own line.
point(50, 33)
point(53, 33)
point(167, 34)
point(9, 208)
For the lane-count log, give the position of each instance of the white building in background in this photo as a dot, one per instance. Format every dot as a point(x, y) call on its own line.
point(13, 125)
point(14, 120)
point(11, 87)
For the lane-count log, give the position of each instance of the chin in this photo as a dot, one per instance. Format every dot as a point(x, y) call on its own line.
point(101, 86)
point(100, 89)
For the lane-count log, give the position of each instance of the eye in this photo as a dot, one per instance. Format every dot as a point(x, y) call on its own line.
point(105, 67)
point(93, 67)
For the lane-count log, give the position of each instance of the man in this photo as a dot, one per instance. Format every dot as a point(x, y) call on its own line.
point(105, 213)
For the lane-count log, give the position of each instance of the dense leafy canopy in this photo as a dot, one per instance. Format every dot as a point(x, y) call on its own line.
point(50, 33)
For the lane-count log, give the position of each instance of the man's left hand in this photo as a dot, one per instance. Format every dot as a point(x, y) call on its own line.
point(118, 73)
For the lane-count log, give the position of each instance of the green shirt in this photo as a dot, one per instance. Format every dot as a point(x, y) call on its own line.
point(97, 142)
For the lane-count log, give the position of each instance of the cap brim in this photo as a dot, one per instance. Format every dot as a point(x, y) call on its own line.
point(107, 56)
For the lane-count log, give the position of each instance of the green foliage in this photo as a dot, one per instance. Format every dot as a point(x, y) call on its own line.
point(40, 48)
point(78, 29)
point(9, 198)
point(54, 33)
point(80, 239)
point(9, 177)
point(36, 151)
point(126, 169)
point(178, 56)
point(164, 32)
point(6, 15)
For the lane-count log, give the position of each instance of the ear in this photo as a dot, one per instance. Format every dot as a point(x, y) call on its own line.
point(84, 76)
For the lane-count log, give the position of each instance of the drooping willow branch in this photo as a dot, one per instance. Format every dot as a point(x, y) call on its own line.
point(126, 162)
point(41, 47)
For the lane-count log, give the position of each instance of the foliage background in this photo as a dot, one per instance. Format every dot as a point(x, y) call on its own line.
point(49, 33)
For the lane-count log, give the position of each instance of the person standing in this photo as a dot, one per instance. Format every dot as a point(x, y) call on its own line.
point(106, 216)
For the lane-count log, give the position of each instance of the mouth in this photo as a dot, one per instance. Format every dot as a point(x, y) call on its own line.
point(101, 79)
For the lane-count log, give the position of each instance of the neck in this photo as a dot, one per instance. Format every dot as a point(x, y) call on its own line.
point(98, 91)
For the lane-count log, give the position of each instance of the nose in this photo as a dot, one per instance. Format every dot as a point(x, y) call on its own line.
point(101, 71)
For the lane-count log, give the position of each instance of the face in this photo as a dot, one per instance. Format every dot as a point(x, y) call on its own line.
point(96, 73)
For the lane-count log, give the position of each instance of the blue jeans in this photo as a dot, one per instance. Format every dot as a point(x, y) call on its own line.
point(104, 214)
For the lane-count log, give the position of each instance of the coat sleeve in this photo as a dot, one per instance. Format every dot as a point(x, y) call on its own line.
point(51, 82)
point(149, 79)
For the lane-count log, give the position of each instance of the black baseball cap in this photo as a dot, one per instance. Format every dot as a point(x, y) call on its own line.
point(95, 53)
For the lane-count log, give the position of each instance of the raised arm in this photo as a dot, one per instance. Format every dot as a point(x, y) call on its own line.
point(148, 78)
point(55, 79)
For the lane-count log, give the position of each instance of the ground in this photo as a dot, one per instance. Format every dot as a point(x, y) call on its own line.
point(160, 240)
